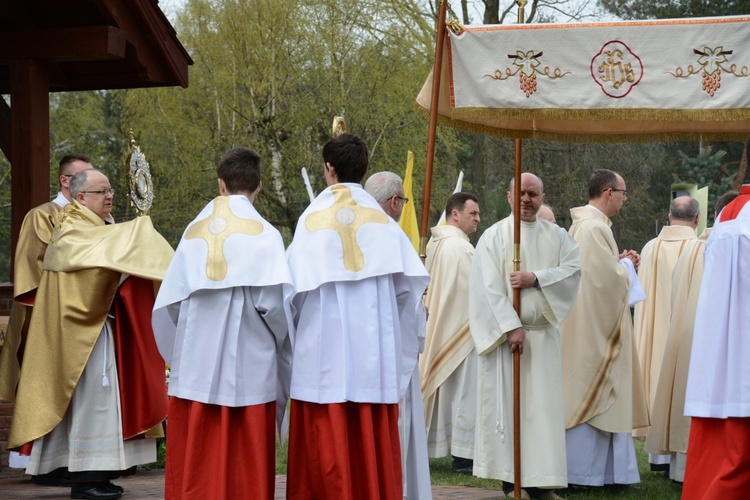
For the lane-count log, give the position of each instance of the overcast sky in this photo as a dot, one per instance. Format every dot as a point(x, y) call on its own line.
point(476, 9)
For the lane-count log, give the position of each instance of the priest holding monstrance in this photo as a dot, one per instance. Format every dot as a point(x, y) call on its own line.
point(93, 391)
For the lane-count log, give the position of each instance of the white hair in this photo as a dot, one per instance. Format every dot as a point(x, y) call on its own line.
point(383, 186)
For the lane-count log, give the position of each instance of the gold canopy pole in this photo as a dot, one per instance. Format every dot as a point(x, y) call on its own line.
point(517, 303)
point(436, 70)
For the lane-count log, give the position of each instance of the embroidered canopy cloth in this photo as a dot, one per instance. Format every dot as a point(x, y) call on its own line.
point(641, 80)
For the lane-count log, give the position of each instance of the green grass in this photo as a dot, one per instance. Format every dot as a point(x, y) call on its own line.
point(653, 485)
point(281, 456)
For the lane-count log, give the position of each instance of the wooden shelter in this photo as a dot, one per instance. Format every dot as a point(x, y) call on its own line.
point(68, 45)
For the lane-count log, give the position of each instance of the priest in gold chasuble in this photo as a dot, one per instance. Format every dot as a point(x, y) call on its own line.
point(92, 384)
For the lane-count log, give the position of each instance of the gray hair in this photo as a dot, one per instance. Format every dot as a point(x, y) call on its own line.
point(684, 208)
point(79, 182)
point(383, 186)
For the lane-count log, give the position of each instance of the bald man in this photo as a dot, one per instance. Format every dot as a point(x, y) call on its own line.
point(33, 238)
point(548, 280)
point(545, 212)
point(670, 428)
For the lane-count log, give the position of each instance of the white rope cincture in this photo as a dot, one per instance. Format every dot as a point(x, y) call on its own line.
point(105, 380)
point(500, 421)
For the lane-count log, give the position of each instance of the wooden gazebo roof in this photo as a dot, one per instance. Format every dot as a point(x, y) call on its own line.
point(66, 45)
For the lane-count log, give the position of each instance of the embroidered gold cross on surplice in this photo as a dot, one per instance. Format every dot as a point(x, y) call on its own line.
point(216, 228)
point(346, 217)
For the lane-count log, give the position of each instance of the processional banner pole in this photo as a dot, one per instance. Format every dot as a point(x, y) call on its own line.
point(431, 132)
point(517, 301)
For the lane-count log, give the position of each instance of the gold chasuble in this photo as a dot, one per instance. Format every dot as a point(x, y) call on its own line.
point(82, 271)
point(36, 231)
point(601, 377)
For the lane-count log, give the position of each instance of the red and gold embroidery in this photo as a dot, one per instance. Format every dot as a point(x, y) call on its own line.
point(528, 63)
point(616, 69)
point(711, 63)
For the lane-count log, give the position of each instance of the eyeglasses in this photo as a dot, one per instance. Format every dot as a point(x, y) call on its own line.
point(402, 198)
point(103, 192)
point(67, 175)
point(623, 191)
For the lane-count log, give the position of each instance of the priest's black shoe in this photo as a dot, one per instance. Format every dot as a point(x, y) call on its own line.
point(462, 465)
point(96, 493)
point(114, 487)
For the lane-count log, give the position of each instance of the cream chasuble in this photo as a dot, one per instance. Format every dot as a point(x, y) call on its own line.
point(548, 252)
point(448, 343)
point(601, 376)
point(33, 239)
point(652, 316)
point(670, 428)
point(82, 270)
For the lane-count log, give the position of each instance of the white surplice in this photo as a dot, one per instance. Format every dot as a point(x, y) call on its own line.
point(359, 313)
point(226, 339)
point(548, 252)
point(718, 378)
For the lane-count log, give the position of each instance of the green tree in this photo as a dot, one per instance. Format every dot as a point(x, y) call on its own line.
point(271, 75)
point(706, 169)
point(90, 123)
point(667, 9)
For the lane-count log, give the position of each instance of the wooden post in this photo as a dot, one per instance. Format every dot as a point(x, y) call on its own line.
point(431, 131)
point(517, 302)
point(29, 187)
point(517, 307)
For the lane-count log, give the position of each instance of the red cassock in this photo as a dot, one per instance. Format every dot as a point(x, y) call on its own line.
point(344, 451)
point(206, 461)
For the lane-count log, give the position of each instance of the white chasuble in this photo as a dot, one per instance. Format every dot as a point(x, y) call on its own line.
point(548, 252)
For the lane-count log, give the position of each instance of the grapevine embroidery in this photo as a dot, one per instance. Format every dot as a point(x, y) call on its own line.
point(711, 63)
point(527, 63)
